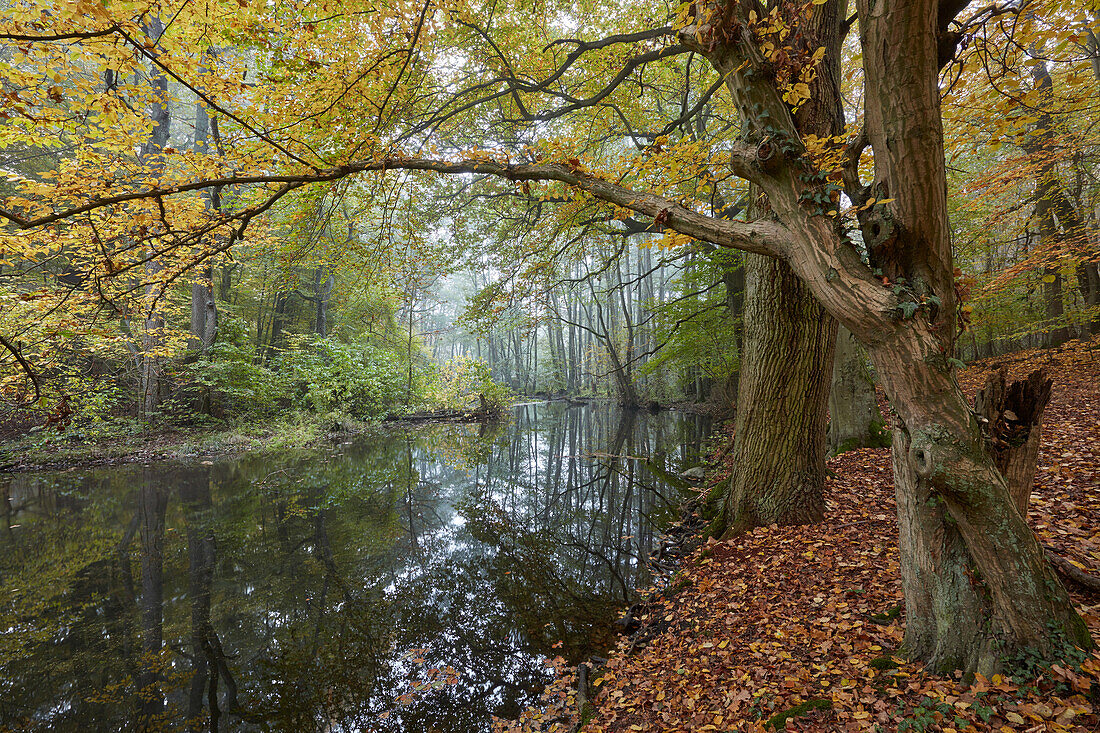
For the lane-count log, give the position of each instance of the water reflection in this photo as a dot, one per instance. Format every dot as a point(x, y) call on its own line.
point(405, 580)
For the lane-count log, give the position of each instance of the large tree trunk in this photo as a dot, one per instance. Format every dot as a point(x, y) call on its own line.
point(956, 515)
point(787, 353)
point(854, 417)
point(779, 441)
point(961, 536)
point(977, 586)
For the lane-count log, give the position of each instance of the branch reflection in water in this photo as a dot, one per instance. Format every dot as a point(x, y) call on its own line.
point(400, 580)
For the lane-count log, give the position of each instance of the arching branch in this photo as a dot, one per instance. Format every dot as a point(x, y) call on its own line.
point(763, 237)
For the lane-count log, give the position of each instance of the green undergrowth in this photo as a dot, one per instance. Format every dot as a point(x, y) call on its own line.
point(779, 720)
point(129, 440)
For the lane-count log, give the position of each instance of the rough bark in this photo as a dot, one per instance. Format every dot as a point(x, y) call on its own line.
point(779, 444)
point(854, 417)
point(955, 511)
point(939, 453)
point(787, 354)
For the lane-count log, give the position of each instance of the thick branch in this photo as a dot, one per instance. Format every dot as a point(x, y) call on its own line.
point(54, 37)
point(762, 237)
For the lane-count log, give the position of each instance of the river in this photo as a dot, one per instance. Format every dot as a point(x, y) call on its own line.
point(408, 579)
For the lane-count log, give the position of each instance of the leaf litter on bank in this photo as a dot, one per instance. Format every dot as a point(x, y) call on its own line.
point(796, 628)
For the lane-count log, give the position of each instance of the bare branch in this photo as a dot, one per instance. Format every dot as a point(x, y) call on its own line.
point(53, 37)
point(27, 369)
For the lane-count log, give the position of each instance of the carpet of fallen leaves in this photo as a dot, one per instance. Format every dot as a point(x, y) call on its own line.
point(806, 618)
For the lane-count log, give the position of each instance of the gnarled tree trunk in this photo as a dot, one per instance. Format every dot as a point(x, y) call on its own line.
point(961, 537)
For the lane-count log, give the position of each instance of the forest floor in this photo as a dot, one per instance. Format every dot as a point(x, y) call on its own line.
point(804, 620)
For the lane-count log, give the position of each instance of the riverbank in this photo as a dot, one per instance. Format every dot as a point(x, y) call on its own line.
point(799, 628)
point(132, 442)
point(129, 441)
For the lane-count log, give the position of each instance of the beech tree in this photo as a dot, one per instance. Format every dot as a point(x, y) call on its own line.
point(977, 586)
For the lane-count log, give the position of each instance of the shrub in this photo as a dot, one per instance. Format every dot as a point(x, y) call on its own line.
point(461, 382)
point(357, 378)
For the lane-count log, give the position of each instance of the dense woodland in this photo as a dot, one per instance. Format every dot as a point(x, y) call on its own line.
point(223, 213)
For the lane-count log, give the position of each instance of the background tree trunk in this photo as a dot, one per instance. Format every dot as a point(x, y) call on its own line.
point(152, 157)
point(854, 417)
point(1040, 147)
point(204, 309)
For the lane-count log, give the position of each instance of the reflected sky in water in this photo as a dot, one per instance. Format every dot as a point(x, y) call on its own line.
point(409, 579)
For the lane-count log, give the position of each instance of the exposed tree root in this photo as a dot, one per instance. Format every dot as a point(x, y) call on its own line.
point(1071, 572)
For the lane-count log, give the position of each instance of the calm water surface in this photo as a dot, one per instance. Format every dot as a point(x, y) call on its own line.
point(407, 580)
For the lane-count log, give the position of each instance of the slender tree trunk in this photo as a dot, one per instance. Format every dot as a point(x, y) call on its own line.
point(204, 309)
point(152, 157)
point(1040, 147)
point(322, 292)
point(278, 315)
point(1088, 273)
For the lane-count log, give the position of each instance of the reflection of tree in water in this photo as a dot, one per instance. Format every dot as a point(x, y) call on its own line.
point(308, 591)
